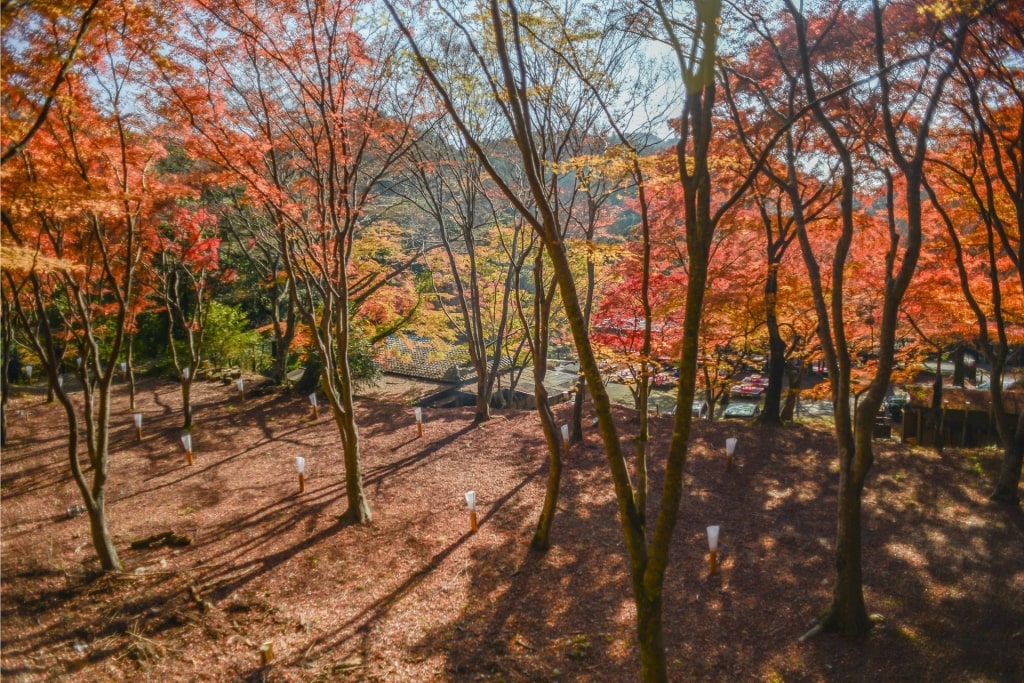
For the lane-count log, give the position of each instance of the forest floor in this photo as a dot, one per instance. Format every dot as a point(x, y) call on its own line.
point(415, 596)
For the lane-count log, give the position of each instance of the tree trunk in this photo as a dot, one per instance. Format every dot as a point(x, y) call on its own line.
point(938, 413)
point(3, 414)
point(101, 540)
point(282, 343)
point(577, 410)
point(483, 398)
point(792, 393)
point(5, 385)
point(279, 365)
point(186, 403)
point(771, 415)
point(130, 369)
point(1008, 481)
point(358, 507)
point(959, 369)
point(576, 426)
point(343, 404)
point(847, 613)
point(542, 535)
point(94, 496)
point(650, 638)
point(311, 374)
point(340, 397)
point(539, 347)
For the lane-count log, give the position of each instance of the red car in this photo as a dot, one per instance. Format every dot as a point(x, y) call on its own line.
point(747, 390)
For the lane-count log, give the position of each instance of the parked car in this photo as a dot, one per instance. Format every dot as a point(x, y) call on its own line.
point(700, 409)
point(1008, 384)
point(666, 379)
point(745, 390)
point(741, 411)
point(894, 404)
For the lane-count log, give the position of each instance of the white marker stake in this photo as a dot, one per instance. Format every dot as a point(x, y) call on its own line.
point(565, 439)
point(185, 372)
point(241, 389)
point(28, 372)
point(312, 401)
point(730, 448)
point(713, 547)
point(471, 502)
point(186, 441)
point(138, 426)
point(124, 369)
point(300, 465)
point(419, 423)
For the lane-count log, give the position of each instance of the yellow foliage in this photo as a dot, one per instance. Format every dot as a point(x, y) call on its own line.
point(22, 261)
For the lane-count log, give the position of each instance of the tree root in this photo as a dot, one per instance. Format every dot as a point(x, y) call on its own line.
point(818, 628)
point(204, 605)
point(164, 538)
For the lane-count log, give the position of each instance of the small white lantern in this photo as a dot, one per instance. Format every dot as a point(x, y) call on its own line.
point(713, 547)
point(300, 466)
point(186, 441)
point(471, 503)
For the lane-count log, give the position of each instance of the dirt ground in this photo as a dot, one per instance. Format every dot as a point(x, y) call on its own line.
point(414, 596)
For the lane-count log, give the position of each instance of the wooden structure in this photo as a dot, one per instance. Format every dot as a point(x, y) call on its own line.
point(965, 418)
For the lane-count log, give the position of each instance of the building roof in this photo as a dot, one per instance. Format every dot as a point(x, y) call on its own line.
point(414, 356)
point(959, 398)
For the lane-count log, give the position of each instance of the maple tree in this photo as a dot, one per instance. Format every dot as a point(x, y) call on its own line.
point(7, 358)
point(763, 89)
point(188, 261)
point(608, 179)
point(41, 37)
point(480, 255)
point(541, 123)
point(509, 89)
point(976, 189)
point(79, 194)
point(251, 243)
point(904, 147)
point(302, 106)
point(789, 218)
point(604, 177)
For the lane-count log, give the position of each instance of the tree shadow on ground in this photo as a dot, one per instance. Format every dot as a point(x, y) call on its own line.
point(414, 596)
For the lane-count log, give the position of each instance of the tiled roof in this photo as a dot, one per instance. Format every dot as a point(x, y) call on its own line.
point(414, 356)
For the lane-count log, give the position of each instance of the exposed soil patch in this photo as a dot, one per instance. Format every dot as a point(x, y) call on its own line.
point(414, 596)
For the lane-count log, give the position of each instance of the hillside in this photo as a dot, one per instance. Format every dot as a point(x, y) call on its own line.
point(414, 596)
